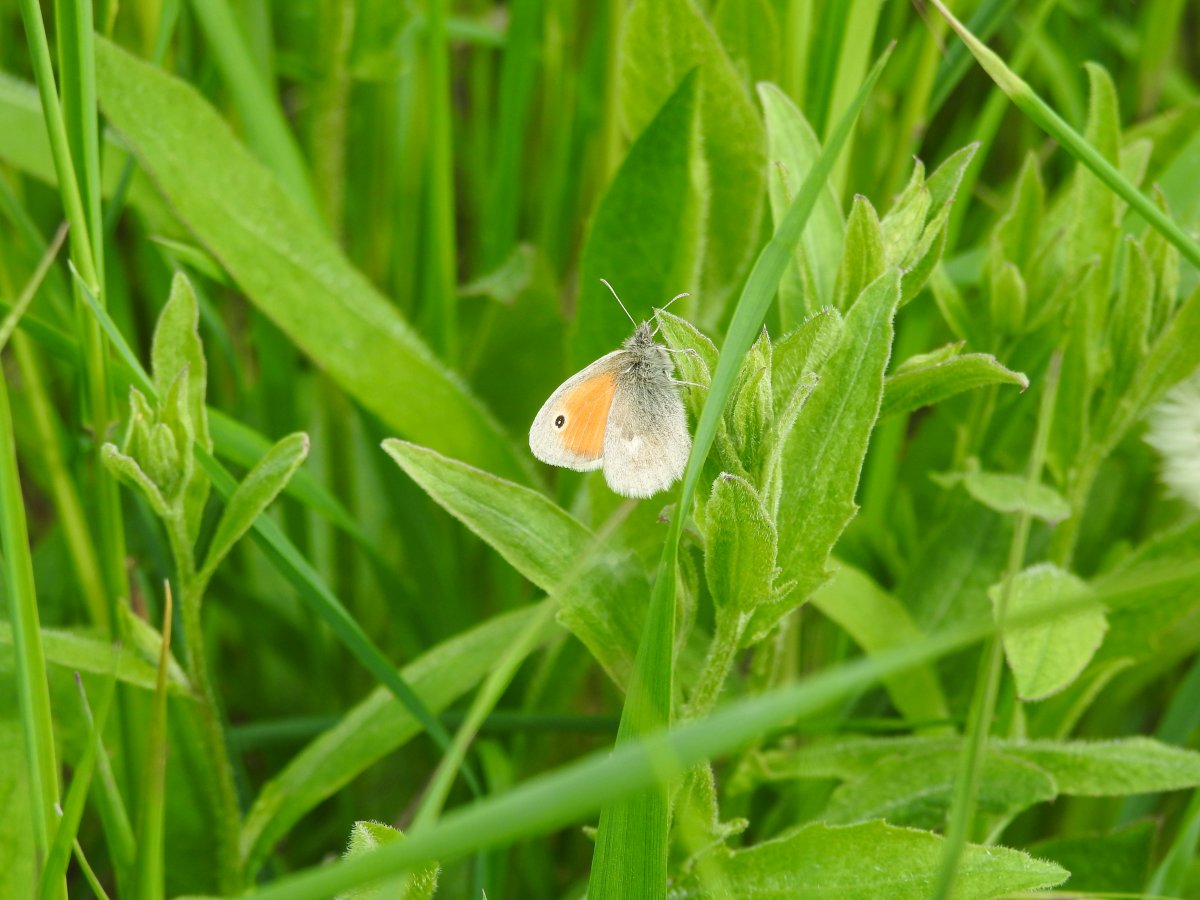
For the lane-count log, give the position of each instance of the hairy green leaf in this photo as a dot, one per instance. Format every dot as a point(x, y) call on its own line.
point(824, 453)
point(256, 492)
point(1047, 656)
point(1010, 493)
point(924, 382)
point(420, 885)
point(877, 860)
point(793, 146)
point(600, 593)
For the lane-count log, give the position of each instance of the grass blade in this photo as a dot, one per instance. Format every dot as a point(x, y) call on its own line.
point(266, 127)
point(1027, 100)
point(631, 846)
point(32, 689)
point(55, 868)
point(150, 862)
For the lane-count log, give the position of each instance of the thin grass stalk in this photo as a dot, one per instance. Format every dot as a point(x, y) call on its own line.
point(1170, 879)
point(55, 868)
point(440, 296)
point(516, 88)
point(1027, 100)
point(267, 130)
point(151, 822)
point(988, 122)
point(331, 105)
point(966, 789)
point(33, 691)
point(632, 838)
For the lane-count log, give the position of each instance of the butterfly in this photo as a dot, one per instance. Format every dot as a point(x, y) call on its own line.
point(622, 414)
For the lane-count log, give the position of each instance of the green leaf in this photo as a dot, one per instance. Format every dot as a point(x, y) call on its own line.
point(1010, 494)
point(600, 594)
point(661, 41)
point(1172, 358)
point(176, 348)
point(749, 31)
point(1098, 161)
point(792, 147)
point(366, 837)
point(84, 653)
point(652, 262)
point(803, 352)
point(877, 860)
point(876, 621)
point(1103, 863)
point(1138, 632)
point(750, 407)
point(824, 454)
point(901, 228)
point(18, 876)
point(1017, 231)
point(288, 267)
point(256, 492)
point(916, 789)
point(739, 549)
point(1129, 329)
point(863, 254)
point(924, 381)
point(127, 469)
point(1113, 768)
point(371, 730)
point(1047, 656)
point(1008, 297)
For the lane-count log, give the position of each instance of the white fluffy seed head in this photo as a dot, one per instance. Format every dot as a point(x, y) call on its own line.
point(1174, 431)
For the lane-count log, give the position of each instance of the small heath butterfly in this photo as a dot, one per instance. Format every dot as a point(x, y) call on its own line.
point(622, 414)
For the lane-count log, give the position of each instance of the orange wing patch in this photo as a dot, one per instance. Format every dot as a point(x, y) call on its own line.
point(586, 411)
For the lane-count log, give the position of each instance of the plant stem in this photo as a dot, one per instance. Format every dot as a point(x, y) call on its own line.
point(225, 811)
point(722, 651)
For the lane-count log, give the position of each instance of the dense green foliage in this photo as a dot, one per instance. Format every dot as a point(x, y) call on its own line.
point(922, 619)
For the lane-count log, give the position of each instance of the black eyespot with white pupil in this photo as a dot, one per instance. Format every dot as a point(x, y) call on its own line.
point(560, 421)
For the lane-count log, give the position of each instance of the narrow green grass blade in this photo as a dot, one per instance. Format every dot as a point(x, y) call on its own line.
point(631, 845)
point(266, 127)
point(60, 149)
point(440, 297)
point(12, 318)
point(55, 868)
point(1027, 100)
point(33, 692)
point(517, 72)
point(1171, 877)
point(151, 824)
point(83, 653)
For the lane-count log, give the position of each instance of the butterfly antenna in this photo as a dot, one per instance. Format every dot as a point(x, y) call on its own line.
point(618, 299)
point(668, 303)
